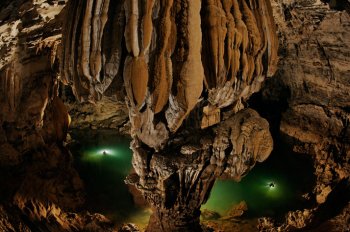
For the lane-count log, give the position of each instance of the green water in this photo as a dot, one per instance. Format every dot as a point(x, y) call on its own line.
point(291, 175)
point(103, 160)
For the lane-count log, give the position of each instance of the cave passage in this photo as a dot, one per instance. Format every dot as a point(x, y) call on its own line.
point(271, 188)
point(103, 160)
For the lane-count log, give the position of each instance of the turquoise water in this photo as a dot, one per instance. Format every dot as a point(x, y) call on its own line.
point(103, 160)
point(271, 189)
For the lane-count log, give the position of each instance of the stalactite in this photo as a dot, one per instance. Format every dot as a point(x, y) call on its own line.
point(86, 44)
point(131, 29)
point(147, 26)
point(214, 32)
point(254, 39)
point(189, 86)
point(136, 79)
point(112, 47)
point(70, 31)
point(98, 23)
point(162, 64)
point(230, 40)
point(163, 71)
point(242, 35)
point(272, 48)
point(261, 24)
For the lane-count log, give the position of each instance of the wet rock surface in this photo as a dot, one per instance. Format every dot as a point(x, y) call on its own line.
point(177, 184)
point(41, 191)
point(105, 114)
point(310, 98)
point(160, 67)
point(187, 70)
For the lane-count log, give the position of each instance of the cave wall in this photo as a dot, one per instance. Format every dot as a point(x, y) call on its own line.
point(39, 185)
point(312, 82)
point(307, 101)
point(316, 74)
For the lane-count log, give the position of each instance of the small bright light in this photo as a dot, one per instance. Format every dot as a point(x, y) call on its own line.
point(104, 152)
point(271, 185)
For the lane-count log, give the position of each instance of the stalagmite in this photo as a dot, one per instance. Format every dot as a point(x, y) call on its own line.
point(61, 118)
point(176, 182)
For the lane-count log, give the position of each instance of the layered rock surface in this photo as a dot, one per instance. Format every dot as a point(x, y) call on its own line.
point(39, 185)
point(311, 89)
point(178, 180)
point(135, 50)
point(182, 63)
point(163, 66)
point(183, 66)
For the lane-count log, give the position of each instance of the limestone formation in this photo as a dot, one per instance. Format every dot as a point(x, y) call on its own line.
point(176, 182)
point(230, 72)
point(90, 61)
point(310, 92)
point(186, 69)
point(227, 47)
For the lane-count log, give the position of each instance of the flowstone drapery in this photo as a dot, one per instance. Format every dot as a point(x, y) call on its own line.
point(186, 68)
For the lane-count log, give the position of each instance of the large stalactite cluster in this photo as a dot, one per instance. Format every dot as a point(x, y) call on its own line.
point(185, 69)
point(185, 66)
point(174, 56)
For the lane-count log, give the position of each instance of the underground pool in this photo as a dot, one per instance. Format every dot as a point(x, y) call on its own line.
point(103, 160)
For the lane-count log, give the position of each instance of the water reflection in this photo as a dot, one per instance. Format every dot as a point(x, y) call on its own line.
point(271, 189)
point(103, 159)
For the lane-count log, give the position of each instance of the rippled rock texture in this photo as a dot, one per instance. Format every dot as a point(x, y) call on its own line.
point(184, 65)
point(39, 186)
point(218, 57)
point(311, 90)
point(178, 180)
point(186, 69)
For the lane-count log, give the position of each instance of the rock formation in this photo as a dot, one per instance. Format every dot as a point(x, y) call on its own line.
point(163, 71)
point(311, 91)
point(34, 123)
point(178, 180)
point(176, 78)
point(186, 69)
